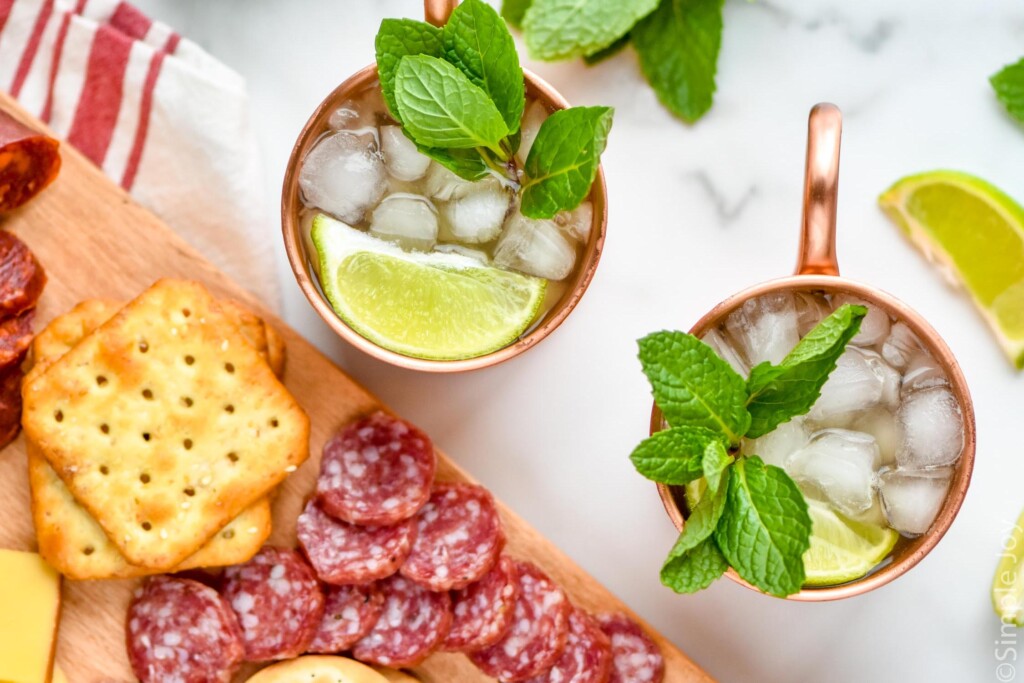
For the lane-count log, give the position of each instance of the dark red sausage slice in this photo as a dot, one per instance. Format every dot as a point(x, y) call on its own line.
point(540, 628)
point(376, 471)
point(413, 624)
point(483, 610)
point(349, 614)
point(180, 631)
point(21, 277)
point(15, 338)
point(10, 404)
point(29, 161)
point(278, 602)
point(587, 657)
point(635, 657)
point(343, 553)
point(458, 538)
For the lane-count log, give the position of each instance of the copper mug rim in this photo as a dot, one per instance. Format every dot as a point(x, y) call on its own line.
point(818, 269)
point(436, 12)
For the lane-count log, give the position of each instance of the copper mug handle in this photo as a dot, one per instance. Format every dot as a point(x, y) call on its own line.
point(821, 186)
point(437, 12)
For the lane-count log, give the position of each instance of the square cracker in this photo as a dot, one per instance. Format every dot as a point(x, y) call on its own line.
point(165, 424)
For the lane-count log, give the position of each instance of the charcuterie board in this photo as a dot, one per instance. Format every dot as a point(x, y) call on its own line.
point(95, 242)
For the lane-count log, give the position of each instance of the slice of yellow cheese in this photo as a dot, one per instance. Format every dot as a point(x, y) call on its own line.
point(29, 612)
point(58, 675)
point(318, 669)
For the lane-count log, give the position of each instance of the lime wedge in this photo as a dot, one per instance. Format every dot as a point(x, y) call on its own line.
point(1008, 584)
point(975, 233)
point(841, 549)
point(425, 305)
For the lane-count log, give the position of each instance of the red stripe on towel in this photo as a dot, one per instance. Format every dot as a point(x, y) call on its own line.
point(29, 55)
point(130, 21)
point(145, 109)
point(172, 43)
point(5, 11)
point(100, 101)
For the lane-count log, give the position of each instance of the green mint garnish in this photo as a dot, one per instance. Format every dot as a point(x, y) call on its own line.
point(563, 160)
point(778, 393)
point(399, 38)
point(514, 10)
point(695, 560)
point(765, 528)
point(1009, 87)
point(558, 29)
point(607, 52)
point(674, 456)
point(714, 463)
point(678, 46)
point(693, 386)
point(465, 163)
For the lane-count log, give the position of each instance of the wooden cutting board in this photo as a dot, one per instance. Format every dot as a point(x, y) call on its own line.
point(94, 241)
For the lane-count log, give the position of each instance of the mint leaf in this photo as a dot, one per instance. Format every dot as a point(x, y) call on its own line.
point(674, 456)
point(693, 386)
point(513, 11)
point(399, 38)
point(559, 29)
point(465, 163)
point(678, 47)
point(607, 52)
point(695, 570)
point(779, 393)
point(714, 463)
point(477, 41)
point(703, 521)
point(765, 528)
point(440, 107)
point(1009, 87)
point(563, 161)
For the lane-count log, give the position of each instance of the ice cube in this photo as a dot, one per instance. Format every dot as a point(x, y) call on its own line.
point(401, 157)
point(535, 247)
point(765, 328)
point(811, 309)
point(344, 175)
point(901, 346)
point(912, 500)
point(932, 429)
point(874, 514)
point(840, 464)
point(532, 121)
point(443, 185)
point(881, 423)
point(776, 447)
point(346, 118)
point(476, 214)
point(923, 372)
point(860, 381)
point(408, 220)
point(723, 347)
point(577, 223)
point(463, 251)
point(874, 327)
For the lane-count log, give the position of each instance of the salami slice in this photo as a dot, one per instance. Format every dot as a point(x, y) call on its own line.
point(29, 161)
point(458, 538)
point(15, 338)
point(540, 628)
point(635, 657)
point(414, 623)
point(587, 657)
point(483, 610)
point(343, 553)
point(278, 602)
point(349, 614)
point(376, 471)
point(10, 404)
point(21, 277)
point(180, 631)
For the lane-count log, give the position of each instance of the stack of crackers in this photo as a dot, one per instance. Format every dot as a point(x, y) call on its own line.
point(156, 433)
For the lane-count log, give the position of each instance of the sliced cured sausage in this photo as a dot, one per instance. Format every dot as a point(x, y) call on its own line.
point(413, 624)
point(29, 161)
point(587, 657)
point(458, 538)
point(483, 610)
point(15, 338)
point(21, 277)
point(343, 553)
point(540, 627)
point(180, 631)
point(10, 404)
point(377, 471)
point(349, 614)
point(278, 602)
point(635, 657)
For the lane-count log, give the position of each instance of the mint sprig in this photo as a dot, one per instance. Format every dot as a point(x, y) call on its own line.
point(1009, 86)
point(559, 29)
point(752, 516)
point(399, 38)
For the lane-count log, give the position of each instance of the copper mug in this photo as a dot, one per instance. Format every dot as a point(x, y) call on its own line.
point(817, 270)
point(436, 12)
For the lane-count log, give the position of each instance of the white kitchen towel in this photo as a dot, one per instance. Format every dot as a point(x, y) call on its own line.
point(160, 116)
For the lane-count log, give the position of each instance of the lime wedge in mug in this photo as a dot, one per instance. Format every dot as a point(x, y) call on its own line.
point(975, 233)
point(437, 306)
point(842, 549)
point(1008, 584)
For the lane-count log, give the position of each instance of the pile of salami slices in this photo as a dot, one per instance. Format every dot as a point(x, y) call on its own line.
point(394, 568)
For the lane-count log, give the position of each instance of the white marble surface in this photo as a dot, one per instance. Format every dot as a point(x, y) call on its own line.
point(697, 213)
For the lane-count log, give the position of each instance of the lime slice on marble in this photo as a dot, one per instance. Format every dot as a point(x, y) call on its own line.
point(438, 306)
point(1008, 584)
point(841, 549)
point(975, 233)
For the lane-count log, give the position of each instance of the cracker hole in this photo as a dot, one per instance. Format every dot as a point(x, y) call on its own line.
point(100, 380)
point(233, 457)
point(229, 534)
point(58, 416)
point(143, 347)
point(274, 422)
point(186, 401)
point(144, 478)
point(230, 367)
point(229, 408)
point(105, 428)
point(145, 436)
point(187, 443)
point(146, 526)
point(189, 491)
point(88, 550)
point(185, 312)
point(104, 469)
point(189, 360)
point(147, 394)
